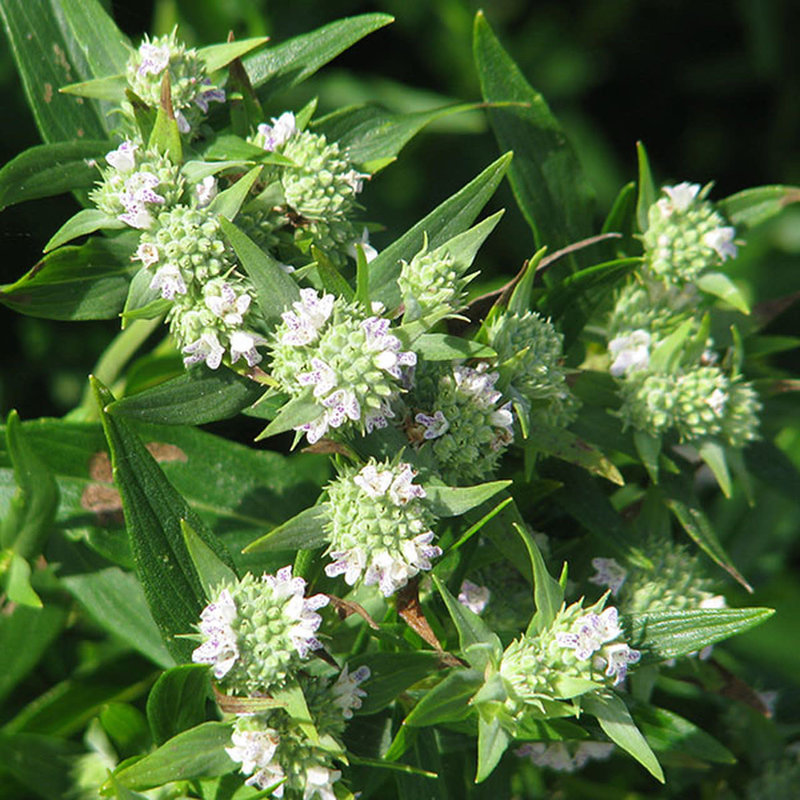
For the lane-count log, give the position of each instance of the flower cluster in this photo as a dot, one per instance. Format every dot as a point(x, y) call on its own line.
point(379, 527)
point(190, 88)
point(685, 235)
point(565, 756)
point(256, 632)
point(352, 363)
point(579, 644)
point(530, 353)
point(463, 421)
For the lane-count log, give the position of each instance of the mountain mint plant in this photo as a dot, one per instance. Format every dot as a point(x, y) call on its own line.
point(378, 604)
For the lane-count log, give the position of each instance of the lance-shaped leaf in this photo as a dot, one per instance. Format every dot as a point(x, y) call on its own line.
point(177, 701)
point(153, 514)
point(88, 220)
point(144, 301)
point(493, 741)
point(443, 347)
point(618, 725)
point(111, 88)
point(448, 220)
point(548, 594)
point(304, 531)
point(33, 509)
point(50, 169)
point(218, 56)
point(753, 206)
point(228, 203)
point(278, 68)
point(451, 501)
point(191, 755)
point(76, 283)
point(647, 193)
point(662, 635)
point(199, 396)
point(373, 136)
point(275, 289)
point(720, 285)
point(293, 415)
point(211, 569)
point(448, 701)
point(545, 175)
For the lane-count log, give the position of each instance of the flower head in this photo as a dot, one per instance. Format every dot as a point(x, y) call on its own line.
point(272, 137)
point(630, 352)
point(474, 597)
point(347, 694)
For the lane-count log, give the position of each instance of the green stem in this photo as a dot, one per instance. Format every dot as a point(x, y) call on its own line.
point(111, 363)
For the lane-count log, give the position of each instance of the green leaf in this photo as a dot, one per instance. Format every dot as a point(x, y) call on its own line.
point(666, 732)
point(153, 514)
point(295, 413)
point(18, 587)
point(25, 635)
point(302, 532)
point(40, 763)
point(48, 60)
point(754, 206)
point(545, 175)
point(50, 169)
point(111, 88)
point(662, 635)
point(165, 137)
point(667, 355)
point(391, 674)
point(275, 290)
point(649, 448)
point(26, 529)
point(278, 68)
point(373, 136)
point(713, 454)
point(116, 601)
point(447, 701)
point(228, 203)
point(647, 188)
point(177, 701)
point(199, 396)
point(470, 627)
point(452, 501)
point(218, 56)
point(548, 594)
point(621, 217)
point(88, 220)
point(449, 219)
point(694, 521)
point(520, 300)
point(567, 446)
point(76, 283)
point(618, 725)
point(720, 285)
point(191, 755)
point(291, 695)
point(443, 347)
point(143, 301)
point(211, 569)
point(493, 741)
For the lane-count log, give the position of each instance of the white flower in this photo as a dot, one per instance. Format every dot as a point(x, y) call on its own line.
point(435, 426)
point(227, 305)
point(244, 344)
point(310, 313)
point(137, 216)
point(609, 573)
point(617, 658)
point(388, 356)
point(355, 180)
point(139, 188)
point(392, 573)
point(556, 756)
point(183, 123)
point(370, 252)
point(299, 608)
point(155, 58)
point(593, 631)
point(254, 750)
point(402, 489)
point(721, 240)
point(319, 783)
point(474, 597)
point(266, 777)
point(592, 751)
point(169, 280)
point(717, 601)
point(716, 401)
point(680, 197)
point(282, 129)
point(220, 648)
point(631, 352)
point(373, 482)
point(479, 383)
point(346, 692)
point(207, 348)
point(205, 191)
point(349, 563)
point(321, 377)
point(124, 157)
point(147, 253)
point(209, 96)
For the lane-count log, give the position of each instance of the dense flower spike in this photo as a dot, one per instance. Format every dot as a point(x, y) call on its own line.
point(579, 643)
point(431, 284)
point(137, 185)
point(529, 360)
point(685, 235)
point(258, 631)
point(191, 90)
point(467, 427)
point(352, 362)
point(379, 527)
